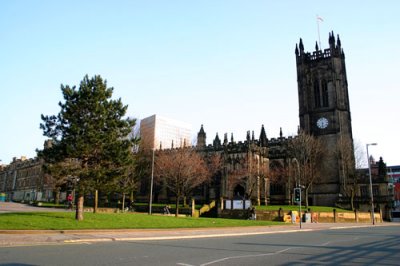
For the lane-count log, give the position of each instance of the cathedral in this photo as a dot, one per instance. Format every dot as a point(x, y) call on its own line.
point(324, 112)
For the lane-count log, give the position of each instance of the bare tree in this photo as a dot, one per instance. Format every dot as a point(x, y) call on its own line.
point(214, 163)
point(307, 153)
point(181, 170)
point(257, 172)
point(264, 178)
point(235, 174)
point(250, 171)
point(280, 175)
point(215, 167)
point(351, 156)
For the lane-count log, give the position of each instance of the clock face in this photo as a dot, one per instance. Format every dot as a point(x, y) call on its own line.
point(322, 122)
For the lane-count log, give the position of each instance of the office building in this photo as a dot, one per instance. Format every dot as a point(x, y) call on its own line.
point(158, 132)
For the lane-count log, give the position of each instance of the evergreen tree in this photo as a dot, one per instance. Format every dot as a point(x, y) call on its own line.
point(90, 129)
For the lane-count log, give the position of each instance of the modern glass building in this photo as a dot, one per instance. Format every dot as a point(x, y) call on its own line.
point(159, 132)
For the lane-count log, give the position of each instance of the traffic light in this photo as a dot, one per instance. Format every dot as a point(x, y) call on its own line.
point(297, 194)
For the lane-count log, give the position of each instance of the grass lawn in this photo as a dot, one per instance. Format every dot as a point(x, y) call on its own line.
point(64, 206)
point(303, 208)
point(66, 221)
point(266, 208)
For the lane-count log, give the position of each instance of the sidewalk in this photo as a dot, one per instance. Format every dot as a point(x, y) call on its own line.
point(51, 237)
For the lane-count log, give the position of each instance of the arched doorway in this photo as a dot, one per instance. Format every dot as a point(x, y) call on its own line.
point(238, 192)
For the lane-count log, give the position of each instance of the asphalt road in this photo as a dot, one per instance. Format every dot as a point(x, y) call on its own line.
point(375, 245)
point(6, 207)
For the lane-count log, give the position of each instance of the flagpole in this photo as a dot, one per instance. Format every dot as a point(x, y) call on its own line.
point(319, 37)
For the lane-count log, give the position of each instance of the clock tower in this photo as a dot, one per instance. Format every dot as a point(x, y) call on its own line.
point(324, 111)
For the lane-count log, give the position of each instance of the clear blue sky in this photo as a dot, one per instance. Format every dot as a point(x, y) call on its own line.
point(229, 65)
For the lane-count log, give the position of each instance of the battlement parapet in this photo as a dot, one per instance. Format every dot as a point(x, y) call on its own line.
point(319, 54)
point(334, 50)
point(23, 162)
point(278, 141)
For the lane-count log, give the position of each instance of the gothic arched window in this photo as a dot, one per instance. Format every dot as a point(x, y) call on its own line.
point(325, 96)
point(317, 94)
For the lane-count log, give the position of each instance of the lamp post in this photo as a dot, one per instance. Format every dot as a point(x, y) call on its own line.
point(370, 184)
point(151, 182)
point(298, 171)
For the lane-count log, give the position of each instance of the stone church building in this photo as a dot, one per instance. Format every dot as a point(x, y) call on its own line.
point(324, 112)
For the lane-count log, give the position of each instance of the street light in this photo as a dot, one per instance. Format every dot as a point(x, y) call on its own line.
point(298, 171)
point(370, 184)
point(151, 182)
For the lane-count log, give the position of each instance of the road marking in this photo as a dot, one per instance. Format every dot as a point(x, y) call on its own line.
point(348, 227)
point(89, 240)
point(326, 243)
point(13, 245)
point(246, 256)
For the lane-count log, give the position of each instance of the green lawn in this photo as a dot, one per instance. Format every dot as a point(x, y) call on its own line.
point(267, 208)
point(64, 206)
point(296, 208)
point(66, 221)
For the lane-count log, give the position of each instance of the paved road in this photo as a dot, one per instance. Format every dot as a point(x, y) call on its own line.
point(18, 207)
point(372, 245)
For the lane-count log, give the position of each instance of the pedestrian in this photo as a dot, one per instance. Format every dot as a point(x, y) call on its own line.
point(166, 209)
point(252, 215)
point(69, 201)
point(131, 206)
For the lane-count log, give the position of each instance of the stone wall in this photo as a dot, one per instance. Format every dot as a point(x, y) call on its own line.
point(318, 217)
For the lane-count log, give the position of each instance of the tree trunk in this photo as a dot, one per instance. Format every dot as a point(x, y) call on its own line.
point(73, 197)
point(177, 206)
point(265, 191)
point(96, 200)
point(57, 196)
point(184, 201)
point(79, 208)
point(123, 202)
point(306, 197)
point(258, 191)
point(352, 200)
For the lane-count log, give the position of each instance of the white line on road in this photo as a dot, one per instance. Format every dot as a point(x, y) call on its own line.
point(347, 227)
point(246, 256)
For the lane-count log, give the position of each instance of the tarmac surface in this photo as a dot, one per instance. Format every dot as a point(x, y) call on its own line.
point(19, 207)
point(9, 238)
